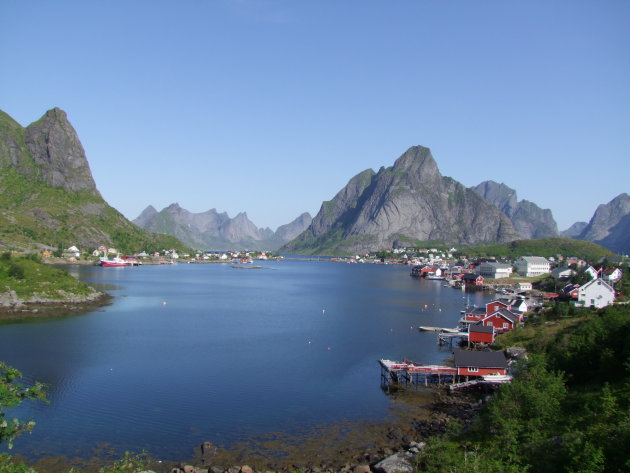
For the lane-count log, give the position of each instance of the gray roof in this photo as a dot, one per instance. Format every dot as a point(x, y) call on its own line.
point(480, 359)
point(534, 259)
point(481, 328)
point(507, 314)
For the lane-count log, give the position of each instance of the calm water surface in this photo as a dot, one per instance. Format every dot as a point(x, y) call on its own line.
point(188, 353)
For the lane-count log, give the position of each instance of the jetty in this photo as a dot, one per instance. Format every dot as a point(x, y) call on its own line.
point(408, 374)
point(425, 328)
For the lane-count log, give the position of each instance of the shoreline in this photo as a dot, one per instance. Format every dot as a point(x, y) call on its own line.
point(13, 309)
point(350, 447)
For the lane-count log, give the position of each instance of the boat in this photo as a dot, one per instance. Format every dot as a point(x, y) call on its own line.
point(497, 378)
point(425, 328)
point(112, 263)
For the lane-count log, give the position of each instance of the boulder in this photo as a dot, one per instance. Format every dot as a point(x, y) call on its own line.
point(400, 462)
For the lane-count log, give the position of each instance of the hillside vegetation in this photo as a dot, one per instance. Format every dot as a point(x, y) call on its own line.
point(545, 247)
point(567, 410)
point(48, 197)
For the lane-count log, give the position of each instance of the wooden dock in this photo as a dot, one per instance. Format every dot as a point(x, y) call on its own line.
point(413, 375)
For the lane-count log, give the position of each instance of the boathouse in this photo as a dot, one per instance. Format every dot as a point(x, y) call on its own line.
point(472, 280)
point(479, 363)
point(478, 333)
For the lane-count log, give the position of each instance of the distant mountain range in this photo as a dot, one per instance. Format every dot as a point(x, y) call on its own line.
point(48, 196)
point(609, 226)
point(217, 231)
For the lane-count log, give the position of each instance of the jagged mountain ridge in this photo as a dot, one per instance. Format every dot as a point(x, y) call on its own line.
point(610, 225)
point(48, 196)
point(212, 230)
point(529, 220)
point(575, 230)
point(408, 202)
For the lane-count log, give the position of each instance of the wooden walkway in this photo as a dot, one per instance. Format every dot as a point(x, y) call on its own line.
point(410, 374)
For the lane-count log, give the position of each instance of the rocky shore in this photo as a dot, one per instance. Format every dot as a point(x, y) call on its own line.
point(14, 308)
point(386, 447)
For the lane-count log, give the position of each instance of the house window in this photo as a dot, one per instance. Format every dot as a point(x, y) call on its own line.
point(489, 324)
point(506, 325)
point(473, 369)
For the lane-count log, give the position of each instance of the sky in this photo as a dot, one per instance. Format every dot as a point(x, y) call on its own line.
point(269, 107)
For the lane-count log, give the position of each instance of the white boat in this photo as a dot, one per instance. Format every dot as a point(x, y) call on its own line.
point(426, 328)
point(497, 378)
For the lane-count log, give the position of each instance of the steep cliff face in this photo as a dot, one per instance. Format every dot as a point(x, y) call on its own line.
point(48, 196)
point(56, 149)
point(529, 220)
point(610, 225)
point(211, 230)
point(410, 201)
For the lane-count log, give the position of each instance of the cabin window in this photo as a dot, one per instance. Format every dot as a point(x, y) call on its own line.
point(506, 325)
point(473, 369)
point(489, 324)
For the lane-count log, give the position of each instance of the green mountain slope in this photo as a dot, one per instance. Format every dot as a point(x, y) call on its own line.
point(545, 247)
point(48, 196)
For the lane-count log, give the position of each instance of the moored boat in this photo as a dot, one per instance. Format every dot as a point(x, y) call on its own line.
point(114, 262)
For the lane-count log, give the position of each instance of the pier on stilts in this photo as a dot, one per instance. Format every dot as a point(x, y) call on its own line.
point(407, 375)
point(446, 338)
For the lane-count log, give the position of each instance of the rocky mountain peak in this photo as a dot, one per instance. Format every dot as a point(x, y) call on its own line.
point(529, 220)
point(55, 147)
point(418, 161)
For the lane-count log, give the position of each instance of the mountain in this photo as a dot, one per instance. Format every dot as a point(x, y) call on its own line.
point(217, 231)
point(410, 202)
point(48, 196)
point(610, 225)
point(529, 220)
point(575, 230)
point(288, 232)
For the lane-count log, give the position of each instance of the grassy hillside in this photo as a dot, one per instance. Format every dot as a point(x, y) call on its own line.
point(541, 247)
point(28, 278)
point(33, 213)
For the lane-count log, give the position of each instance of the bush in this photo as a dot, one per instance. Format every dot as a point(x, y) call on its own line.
point(16, 271)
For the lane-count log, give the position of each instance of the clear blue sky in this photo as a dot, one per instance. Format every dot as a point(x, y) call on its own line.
point(271, 106)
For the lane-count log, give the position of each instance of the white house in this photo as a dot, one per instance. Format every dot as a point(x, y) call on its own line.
point(595, 293)
point(612, 274)
point(563, 273)
point(523, 286)
point(592, 272)
point(494, 270)
point(532, 266)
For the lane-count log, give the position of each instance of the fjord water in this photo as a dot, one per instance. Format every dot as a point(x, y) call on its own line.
point(194, 352)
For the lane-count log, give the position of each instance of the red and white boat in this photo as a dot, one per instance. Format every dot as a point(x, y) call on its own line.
point(113, 262)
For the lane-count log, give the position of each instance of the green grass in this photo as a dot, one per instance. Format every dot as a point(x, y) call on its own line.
point(29, 277)
point(545, 247)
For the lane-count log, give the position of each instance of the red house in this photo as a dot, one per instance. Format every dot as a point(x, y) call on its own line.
point(502, 320)
point(474, 314)
point(472, 280)
point(478, 333)
point(479, 363)
point(493, 306)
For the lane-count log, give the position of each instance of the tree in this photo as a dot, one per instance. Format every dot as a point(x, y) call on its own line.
point(12, 394)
